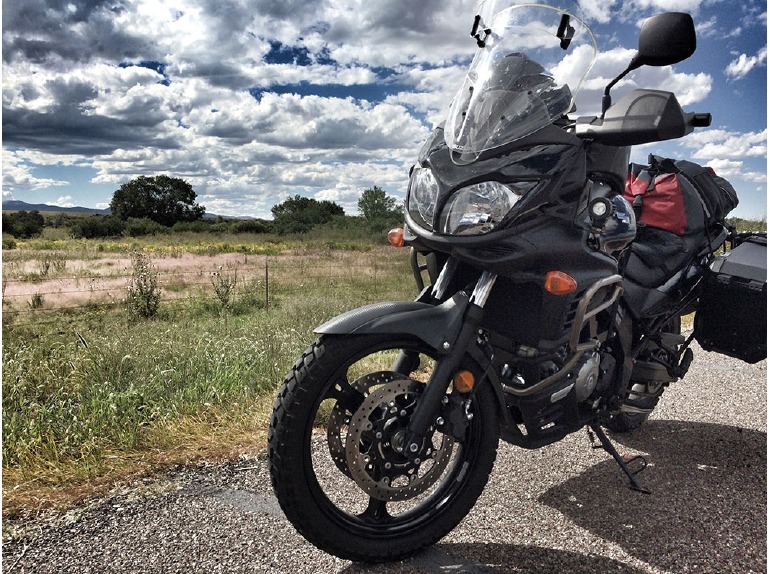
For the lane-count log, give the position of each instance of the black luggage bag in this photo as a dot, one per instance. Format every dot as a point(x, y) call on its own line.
point(732, 312)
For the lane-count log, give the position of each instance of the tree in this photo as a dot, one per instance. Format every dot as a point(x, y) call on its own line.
point(300, 214)
point(23, 224)
point(163, 199)
point(374, 204)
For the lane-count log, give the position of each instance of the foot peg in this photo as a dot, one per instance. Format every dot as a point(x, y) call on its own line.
point(625, 463)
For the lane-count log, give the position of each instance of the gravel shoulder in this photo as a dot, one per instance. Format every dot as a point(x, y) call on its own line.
point(565, 507)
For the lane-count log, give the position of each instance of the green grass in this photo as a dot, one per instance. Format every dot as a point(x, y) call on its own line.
point(93, 395)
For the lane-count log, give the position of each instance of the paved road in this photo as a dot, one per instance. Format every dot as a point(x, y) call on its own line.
point(563, 508)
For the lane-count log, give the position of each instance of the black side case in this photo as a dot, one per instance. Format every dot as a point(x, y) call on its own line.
point(732, 312)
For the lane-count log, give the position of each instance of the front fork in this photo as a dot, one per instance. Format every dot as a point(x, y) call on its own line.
point(429, 407)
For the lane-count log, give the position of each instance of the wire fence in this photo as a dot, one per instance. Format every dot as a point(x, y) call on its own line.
point(32, 293)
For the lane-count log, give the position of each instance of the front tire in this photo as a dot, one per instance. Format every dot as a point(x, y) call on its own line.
point(333, 464)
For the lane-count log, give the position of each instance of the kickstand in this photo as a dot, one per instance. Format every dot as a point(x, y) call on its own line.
point(622, 462)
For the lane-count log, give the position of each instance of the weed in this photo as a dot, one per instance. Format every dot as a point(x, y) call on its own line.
point(143, 297)
point(36, 302)
point(224, 282)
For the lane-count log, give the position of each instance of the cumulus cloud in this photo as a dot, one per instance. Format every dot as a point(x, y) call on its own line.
point(717, 143)
point(253, 101)
point(734, 169)
point(18, 175)
point(743, 64)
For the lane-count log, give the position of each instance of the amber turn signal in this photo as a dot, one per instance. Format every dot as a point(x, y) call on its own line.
point(559, 283)
point(464, 381)
point(396, 237)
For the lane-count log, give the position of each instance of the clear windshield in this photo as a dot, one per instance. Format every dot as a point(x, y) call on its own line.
point(533, 60)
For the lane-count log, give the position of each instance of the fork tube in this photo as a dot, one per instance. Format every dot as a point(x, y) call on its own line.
point(428, 408)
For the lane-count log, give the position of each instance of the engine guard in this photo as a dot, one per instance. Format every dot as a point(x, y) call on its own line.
point(436, 325)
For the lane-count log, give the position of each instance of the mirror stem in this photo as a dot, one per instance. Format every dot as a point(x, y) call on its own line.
point(607, 99)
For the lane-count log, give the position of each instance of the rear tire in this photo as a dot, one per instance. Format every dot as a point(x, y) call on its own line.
point(645, 393)
point(345, 495)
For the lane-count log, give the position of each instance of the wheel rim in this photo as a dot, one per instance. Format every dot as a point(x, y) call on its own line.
point(351, 491)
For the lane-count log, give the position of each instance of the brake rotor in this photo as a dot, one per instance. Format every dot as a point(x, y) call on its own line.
point(339, 418)
point(373, 449)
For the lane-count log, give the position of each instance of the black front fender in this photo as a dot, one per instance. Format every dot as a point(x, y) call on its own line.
point(436, 325)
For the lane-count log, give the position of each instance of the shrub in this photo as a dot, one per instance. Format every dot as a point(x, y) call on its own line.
point(96, 226)
point(136, 227)
point(23, 224)
point(143, 293)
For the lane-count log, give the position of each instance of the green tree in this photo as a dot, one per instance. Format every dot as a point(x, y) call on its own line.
point(163, 199)
point(374, 204)
point(300, 214)
point(23, 224)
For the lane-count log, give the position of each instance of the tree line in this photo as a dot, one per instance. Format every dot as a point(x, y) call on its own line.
point(163, 204)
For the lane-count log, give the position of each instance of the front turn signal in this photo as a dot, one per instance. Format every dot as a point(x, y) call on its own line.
point(396, 237)
point(559, 283)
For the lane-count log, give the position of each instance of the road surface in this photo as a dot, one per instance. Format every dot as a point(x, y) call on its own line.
point(563, 508)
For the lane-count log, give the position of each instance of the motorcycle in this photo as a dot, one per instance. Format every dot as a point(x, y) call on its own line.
point(538, 321)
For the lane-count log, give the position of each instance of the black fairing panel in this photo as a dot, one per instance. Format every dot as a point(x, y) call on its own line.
point(551, 156)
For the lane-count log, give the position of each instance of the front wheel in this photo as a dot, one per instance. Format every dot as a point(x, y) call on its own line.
point(335, 458)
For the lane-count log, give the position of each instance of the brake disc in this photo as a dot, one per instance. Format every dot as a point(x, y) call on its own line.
point(339, 418)
point(373, 449)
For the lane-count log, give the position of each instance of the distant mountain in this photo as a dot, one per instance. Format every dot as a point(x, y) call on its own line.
point(16, 205)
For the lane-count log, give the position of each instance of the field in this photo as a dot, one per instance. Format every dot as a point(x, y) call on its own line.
point(95, 392)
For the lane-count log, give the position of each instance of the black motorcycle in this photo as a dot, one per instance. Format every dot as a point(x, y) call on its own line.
point(544, 313)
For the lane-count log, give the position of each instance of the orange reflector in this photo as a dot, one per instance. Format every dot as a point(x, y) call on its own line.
point(396, 237)
point(464, 381)
point(559, 283)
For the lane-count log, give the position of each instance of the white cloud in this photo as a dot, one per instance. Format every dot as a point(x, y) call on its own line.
point(732, 169)
point(721, 144)
point(741, 66)
point(64, 201)
point(196, 89)
point(18, 176)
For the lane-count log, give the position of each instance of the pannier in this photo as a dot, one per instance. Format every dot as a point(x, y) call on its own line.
point(732, 313)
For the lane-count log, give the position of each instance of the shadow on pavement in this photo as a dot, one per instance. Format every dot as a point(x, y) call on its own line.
point(498, 559)
point(708, 507)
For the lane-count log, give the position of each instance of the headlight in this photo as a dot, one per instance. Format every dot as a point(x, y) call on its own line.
point(422, 196)
point(477, 209)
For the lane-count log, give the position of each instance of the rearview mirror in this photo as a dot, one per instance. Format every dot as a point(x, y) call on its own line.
point(665, 39)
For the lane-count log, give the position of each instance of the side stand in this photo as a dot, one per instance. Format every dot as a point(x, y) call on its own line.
point(622, 462)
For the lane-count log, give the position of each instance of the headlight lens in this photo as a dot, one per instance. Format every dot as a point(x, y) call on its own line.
point(422, 197)
point(477, 209)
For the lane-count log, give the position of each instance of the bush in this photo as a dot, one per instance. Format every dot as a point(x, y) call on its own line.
point(136, 227)
point(143, 294)
point(96, 226)
point(191, 226)
point(23, 224)
point(250, 226)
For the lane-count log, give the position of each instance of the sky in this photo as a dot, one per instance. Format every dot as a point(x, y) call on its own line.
point(255, 101)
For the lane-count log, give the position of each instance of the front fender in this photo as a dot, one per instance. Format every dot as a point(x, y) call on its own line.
point(436, 325)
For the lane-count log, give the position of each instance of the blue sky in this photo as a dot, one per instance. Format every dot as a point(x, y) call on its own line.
point(253, 101)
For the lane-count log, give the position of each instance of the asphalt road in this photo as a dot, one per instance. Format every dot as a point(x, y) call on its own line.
point(563, 508)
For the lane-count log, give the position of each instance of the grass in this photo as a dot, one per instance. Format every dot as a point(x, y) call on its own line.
point(94, 396)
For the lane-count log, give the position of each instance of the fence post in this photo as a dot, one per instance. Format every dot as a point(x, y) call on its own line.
point(267, 285)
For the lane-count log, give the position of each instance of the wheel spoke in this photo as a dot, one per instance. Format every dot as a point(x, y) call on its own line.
point(346, 395)
point(376, 511)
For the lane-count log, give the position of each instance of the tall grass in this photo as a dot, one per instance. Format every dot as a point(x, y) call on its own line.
point(96, 390)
